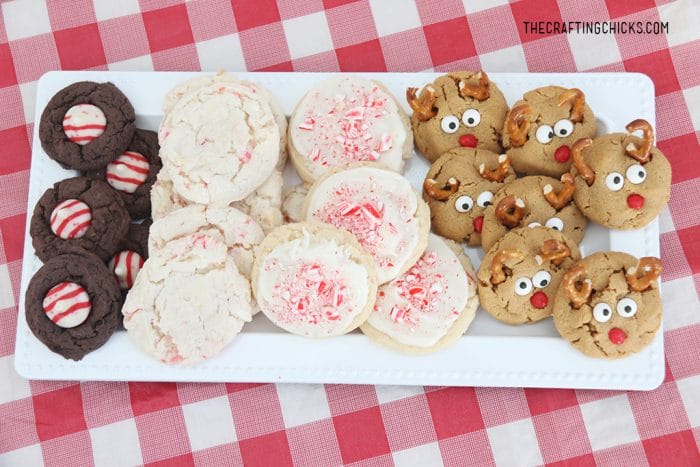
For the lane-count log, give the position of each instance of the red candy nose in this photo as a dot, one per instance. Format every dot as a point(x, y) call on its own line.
point(539, 300)
point(617, 336)
point(562, 153)
point(478, 223)
point(635, 201)
point(468, 141)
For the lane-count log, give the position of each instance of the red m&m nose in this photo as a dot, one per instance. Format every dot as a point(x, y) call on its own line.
point(562, 153)
point(635, 201)
point(539, 300)
point(617, 336)
point(478, 223)
point(468, 141)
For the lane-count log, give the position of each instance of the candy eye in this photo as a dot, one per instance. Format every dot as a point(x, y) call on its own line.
point(464, 203)
point(563, 128)
point(614, 181)
point(555, 223)
point(602, 312)
point(544, 134)
point(636, 174)
point(449, 124)
point(471, 118)
point(541, 279)
point(523, 286)
point(484, 199)
point(626, 307)
point(532, 225)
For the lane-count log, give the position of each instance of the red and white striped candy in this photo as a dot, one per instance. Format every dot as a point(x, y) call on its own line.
point(71, 219)
point(83, 123)
point(67, 304)
point(126, 265)
point(128, 171)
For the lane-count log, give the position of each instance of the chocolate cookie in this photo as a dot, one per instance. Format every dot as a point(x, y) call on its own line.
point(78, 213)
point(72, 304)
point(86, 125)
point(608, 304)
point(130, 256)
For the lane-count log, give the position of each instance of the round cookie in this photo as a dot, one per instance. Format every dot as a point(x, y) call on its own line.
point(293, 202)
point(132, 252)
point(458, 188)
point(430, 306)
point(132, 173)
point(219, 143)
point(380, 208)
point(86, 125)
point(314, 280)
point(460, 109)
point(78, 213)
point(627, 182)
point(188, 302)
point(344, 120)
point(533, 201)
point(72, 304)
point(519, 275)
point(608, 304)
point(542, 126)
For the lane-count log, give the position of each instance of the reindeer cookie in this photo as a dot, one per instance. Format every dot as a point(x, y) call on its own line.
point(622, 182)
point(459, 186)
point(540, 129)
point(519, 276)
point(608, 304)
point(533, 201)
point(460, 109)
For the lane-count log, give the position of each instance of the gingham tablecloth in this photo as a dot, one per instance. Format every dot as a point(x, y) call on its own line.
point(72, 424)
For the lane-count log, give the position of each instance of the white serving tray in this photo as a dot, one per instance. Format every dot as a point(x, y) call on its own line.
point(490, 354)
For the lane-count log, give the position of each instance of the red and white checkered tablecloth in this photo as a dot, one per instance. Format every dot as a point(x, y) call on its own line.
point(68, 423)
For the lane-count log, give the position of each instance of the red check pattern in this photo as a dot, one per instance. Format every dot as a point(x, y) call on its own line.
point(60, 423)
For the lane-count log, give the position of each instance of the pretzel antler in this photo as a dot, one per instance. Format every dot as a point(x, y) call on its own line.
point(578, 101)
point(518, 124)
point(651, 270)
point(510, 211)
point(504, 258)
point(642, 153)
point(440, 194)
point(577, 286)
point(577, 156)
point(423, 106)
point(497, 174)
point(553, 251)
point(479, 91)
point(565, 195)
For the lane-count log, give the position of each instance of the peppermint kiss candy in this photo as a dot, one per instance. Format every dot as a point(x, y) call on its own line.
point(126, 265)
point(83, 123)
point(128, 171)
point(67, 304)
point(71, 219)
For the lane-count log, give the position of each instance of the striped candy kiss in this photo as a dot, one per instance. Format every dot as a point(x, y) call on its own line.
point(71, 219)
point(126, 265)
point(83, 123)
point(67, 304)
point(128, 171)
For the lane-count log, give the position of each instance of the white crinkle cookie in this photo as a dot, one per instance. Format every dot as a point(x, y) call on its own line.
point(293, 202)
point(428, 307)
point(188, 302)
point(219, 143)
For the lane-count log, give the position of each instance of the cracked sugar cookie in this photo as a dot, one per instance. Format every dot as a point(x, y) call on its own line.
point(314, 280)
point(380, 208)
point(519, 275)
point(608, 304)
point(542, 126)
point(622, 182)
point(460, 109)
point(428, 307)
point(344, 120)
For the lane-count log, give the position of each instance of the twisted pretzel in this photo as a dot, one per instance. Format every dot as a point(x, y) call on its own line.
point(651, 270)
point(440, 194)
point(561, 199)
point(423, 106)
point(576, 154)
point(479, 91)
point(497, 174)
point(577, 287)
point(554, 251)
point(518, 124)
point(642, 153)
point(510, 211)
point(577, 99)
point(504, 258)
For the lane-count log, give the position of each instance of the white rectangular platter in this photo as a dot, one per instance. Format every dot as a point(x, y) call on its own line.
point(489, 354)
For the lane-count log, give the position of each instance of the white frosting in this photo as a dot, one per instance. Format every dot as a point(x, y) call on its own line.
point(347, 119)
point(419, 307)
point(312, 287)
point(378, 207)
